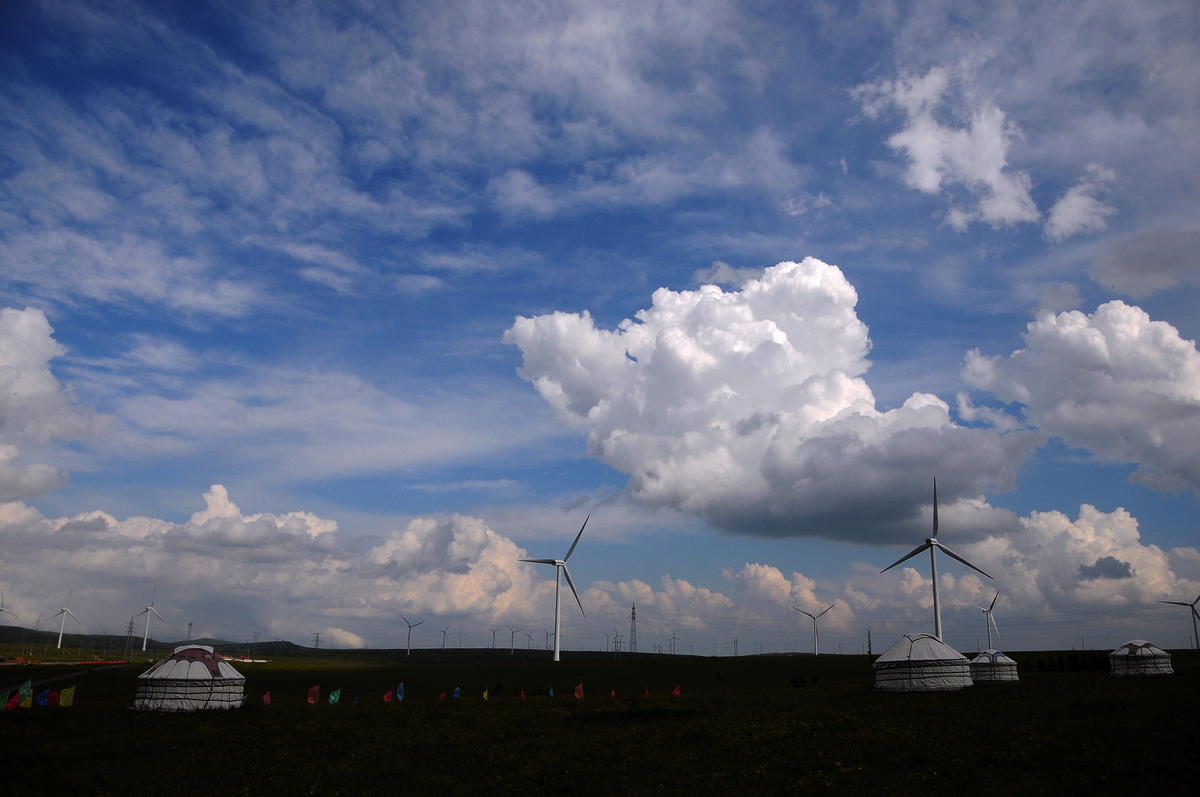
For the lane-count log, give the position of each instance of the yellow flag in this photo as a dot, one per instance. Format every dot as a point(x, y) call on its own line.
point(485, 694)
point(66, 697)
point(26, 703)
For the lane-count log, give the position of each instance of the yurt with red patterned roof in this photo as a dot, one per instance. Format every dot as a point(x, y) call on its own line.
point(192, 678)
point(1139, 657)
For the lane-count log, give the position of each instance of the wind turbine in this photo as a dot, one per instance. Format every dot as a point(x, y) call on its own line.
point(493, 630)
point(2, 609)
point(933, 545)
point(411, 626)
point(512, 641)
point(149, 610)
point(816, 637)
point(560, 569)
point(443, 633)
point(1191, 606)
point(673, 640)
point(64, 611)
point(989, 622)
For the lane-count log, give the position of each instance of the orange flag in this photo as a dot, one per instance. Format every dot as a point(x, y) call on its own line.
point(675, 691)
point(314, 694)
point(579, 691)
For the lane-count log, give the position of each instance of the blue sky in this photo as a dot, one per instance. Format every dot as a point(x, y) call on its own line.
point(420, 288)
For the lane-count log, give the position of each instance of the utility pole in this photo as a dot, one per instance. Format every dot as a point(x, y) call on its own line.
point(735, 651)
point(633, 630)
point(868, 642)
point(189, 634)
point(316, 645)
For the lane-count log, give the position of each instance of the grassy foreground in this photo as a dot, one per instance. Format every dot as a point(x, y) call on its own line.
point(763, 724)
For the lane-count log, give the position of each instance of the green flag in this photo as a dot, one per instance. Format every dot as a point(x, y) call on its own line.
point(26, 689)
point(335, 695)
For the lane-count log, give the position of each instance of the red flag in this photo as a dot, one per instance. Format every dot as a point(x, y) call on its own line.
point(579, 692)
point(614, 693)
point(387, 696)
point(13, 701)
point(647, 692)
point(267, 699)
point(54, 698)
point(675, 691)
point(522, 694)
point(442, 696)
point(314, 694)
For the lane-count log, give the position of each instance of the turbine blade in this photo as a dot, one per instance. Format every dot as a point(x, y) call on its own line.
point(953, 555)
point(797, 608)
point(139, 614)
point(577, 536)
point(571, 584)
point(1176, 603)
point(827, 609)
point(910, 555)
point(414, 625)
point(156, 614)
point(540, 561)
point(153, 594)
point(56, 614)
point(73, 617)
point(993, 606)
point(993, 619)
point(935, 514)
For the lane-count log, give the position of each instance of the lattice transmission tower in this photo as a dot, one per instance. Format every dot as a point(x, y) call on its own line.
point(633, 630)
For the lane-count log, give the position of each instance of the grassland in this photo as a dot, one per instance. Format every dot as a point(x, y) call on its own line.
point(773, 724)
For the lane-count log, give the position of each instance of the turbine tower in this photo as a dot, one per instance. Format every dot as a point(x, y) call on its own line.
point(411, 626)
point(989, 622)
point(64, 611)
point(1191, 606)
point(512, 641)
point(934, 546)
point(149, 610)
point(560, 569)
point(816, 637)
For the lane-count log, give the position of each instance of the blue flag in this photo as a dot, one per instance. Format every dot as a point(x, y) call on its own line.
point(552, 691)
point(44, 698)
point(356, 698)
point(400, 693)
point(456, 693)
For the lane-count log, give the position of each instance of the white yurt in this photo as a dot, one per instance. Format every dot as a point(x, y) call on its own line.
point(921, 663)
point(1139, 657)
point(992, 665)
point(190, 679)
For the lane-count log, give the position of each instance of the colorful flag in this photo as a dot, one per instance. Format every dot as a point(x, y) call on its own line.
point(44, 698)
point(485, 694)
point(522, 694)
point(26, 703)
point(614, 693)
point(456, 693)
point(245, 697)
point(314, 694)
point(356, 698)
point(579, 691)
point(675, 691)
point(387, 696)
point(54, 698)
point(647, 692)
point(10, 703)
point(552, 691)
point(400, 692)
point(442, 696)
point(66, 697)
point(267, 699)
point(335, 696)
point(26, 690)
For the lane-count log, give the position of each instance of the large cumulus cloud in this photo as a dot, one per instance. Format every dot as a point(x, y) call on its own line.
point(1114, 382)
point(749, 408)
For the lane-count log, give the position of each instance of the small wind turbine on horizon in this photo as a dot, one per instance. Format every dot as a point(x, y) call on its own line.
point(560, 570)
point(933, 545)
point(512, 641)
point(1191, 606)
point(493, 630)
point(2, 607)
point(816, 636)
point(64, 611)
point(149, 610)
point(989, 621)
point(411, 626)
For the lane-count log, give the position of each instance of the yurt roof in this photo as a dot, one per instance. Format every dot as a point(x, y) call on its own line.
point(1139, 647)
point(920, 647)
point(993, 656)
point(192, 663)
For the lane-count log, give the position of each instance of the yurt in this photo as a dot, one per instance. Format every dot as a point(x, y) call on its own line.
point(992, 665)
point(190, 679)
point(1139, 657)
point(921, 663)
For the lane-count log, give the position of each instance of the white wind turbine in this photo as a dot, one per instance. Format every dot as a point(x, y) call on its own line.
point(1191, 606)
point(989, 622)
point(933, 545)
point(411, 626)
point(149, 610)
point(816, 637)
point(560, 570)
point(512, 641)
point(3, 609)
point(64, 611)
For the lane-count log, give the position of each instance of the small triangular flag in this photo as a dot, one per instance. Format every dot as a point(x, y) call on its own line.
point(314, 694)
point(675, 691)
point(387, 696)
point(442, 696)
point(579, 692)
point(44, 698)
point(335, 696)
point(456, 693)
point(647, 692)
point(485, 694)
point(400, 693)
point(66, 697)
point(522, 694)
point(54, 698)
point(552, 691)
point(614, 693)
point(267, 699)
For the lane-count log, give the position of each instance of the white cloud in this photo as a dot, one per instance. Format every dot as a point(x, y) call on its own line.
point(748, 408)
point(1078, 210)
point(973, 156)
point(1114, 382)
point(1149, 261)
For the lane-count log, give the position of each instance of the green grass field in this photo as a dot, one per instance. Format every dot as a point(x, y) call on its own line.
point(763, 724)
